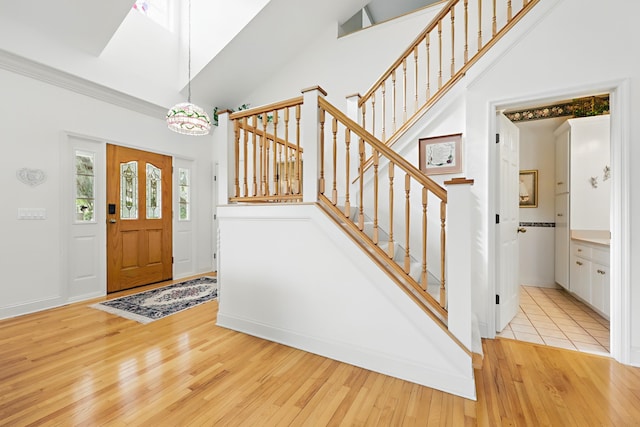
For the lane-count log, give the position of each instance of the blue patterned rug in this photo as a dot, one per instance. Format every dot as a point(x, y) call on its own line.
point(155, 304)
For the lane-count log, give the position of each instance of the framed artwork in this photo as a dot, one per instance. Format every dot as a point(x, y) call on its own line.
point(529, 189)
point(440, 154)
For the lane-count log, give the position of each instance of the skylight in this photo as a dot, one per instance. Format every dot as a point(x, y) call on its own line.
point(156, 10)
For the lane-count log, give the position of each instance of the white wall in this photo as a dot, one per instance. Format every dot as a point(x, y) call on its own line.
point(310, 287)
point(537, 245)
point(343, 66)
point(36, 116)
point(551, 61)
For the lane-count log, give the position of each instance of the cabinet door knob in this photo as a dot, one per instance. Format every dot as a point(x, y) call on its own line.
point(579, 250)
point(578, 262)
point(560, 214)
point(560, 183)
point(601, 272)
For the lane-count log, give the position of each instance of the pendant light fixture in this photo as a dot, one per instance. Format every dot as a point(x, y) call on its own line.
point(187, 118)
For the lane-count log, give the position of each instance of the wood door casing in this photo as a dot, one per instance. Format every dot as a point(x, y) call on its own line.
point(139, 251)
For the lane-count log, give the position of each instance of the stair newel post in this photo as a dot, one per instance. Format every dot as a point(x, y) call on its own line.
point(423, 276)
point(223, 139)
point(334, 166)
point(459, 268)
point(391, 250)
point(376, 161)
point(347, 143)
point(407, 190)
point(312, 130)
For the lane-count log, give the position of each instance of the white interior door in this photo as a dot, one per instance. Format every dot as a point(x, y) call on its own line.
point(508, 288)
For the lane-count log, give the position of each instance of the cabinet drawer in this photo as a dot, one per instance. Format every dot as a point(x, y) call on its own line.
point(581, 250)
point(601, 256)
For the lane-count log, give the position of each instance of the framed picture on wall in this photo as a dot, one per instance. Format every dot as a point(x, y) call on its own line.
point(440, 154)
point(528, 188)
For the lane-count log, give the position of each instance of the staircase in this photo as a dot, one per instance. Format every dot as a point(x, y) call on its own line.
point(296, 157)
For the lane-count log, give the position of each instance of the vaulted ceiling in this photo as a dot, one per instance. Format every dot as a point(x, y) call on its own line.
point(108, 44)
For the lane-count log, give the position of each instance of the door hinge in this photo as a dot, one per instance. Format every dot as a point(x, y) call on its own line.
point(215, 178)
point(171, 260)
point(497, 299)
point(497, 138)
point(215, 217)
point(214, 255)
point(497, 218)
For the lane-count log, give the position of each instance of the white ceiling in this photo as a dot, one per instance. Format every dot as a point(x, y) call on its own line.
point(82, 38)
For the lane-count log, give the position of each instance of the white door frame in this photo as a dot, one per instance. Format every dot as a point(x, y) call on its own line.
point(619, 103)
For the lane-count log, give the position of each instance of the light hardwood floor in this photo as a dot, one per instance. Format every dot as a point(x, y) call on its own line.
point(78, 366)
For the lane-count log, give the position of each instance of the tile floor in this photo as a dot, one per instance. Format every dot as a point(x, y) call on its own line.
point(555, 318)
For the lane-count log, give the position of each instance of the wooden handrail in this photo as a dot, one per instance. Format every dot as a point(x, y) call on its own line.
point(391, 155)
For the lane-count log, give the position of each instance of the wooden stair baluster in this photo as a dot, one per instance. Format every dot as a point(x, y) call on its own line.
point(245, 186)
point(236, 146)
point(407, 189)
point(334, 188)
point(361, 183)
point(376, 160)
point(443, 247)
point(286, 163)
point(425, 198)
point(254, 123)
point(276, 153)
point(347, 142)
point(321, 183)
point(453, 42)
point(298, 187)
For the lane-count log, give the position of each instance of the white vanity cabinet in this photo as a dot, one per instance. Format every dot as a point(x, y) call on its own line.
point(590, 274)
point(582, 204)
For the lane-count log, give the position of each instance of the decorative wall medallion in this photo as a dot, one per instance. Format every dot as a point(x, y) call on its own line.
point(31, 177)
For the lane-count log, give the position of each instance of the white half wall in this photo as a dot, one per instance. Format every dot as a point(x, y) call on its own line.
point(289, 275)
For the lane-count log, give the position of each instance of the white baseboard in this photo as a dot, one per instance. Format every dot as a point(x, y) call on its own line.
point(634, 356)
point(31, 307)
point(344, 352)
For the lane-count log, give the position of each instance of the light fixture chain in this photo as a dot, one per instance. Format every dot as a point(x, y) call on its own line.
point(189, 60)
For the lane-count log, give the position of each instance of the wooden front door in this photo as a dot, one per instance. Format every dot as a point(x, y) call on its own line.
point(139, 220)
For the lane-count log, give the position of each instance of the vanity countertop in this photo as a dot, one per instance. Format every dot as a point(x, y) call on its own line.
point(599, 237)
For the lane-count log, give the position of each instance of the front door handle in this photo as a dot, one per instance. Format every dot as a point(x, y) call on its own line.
point(522, 230)
point(112, 221)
